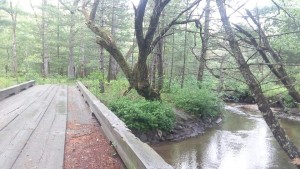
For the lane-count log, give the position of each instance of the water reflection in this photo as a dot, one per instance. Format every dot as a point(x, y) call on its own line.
point(242, 142)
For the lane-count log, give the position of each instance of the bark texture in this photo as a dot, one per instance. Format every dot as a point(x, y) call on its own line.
point(112, 66)
point(45, 52)
point(263, 105)
point(204, 38)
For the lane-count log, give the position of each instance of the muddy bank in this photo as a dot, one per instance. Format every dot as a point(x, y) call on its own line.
point(186, 126)
point(287, 113)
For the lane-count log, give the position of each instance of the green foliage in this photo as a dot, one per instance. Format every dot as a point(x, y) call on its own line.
point(198, 101)
point(142, 115)
point(272, 90)
point(96, 75)
point(288, 101)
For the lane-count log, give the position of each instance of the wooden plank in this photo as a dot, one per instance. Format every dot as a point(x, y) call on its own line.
point(10, 112)
point(134, 153)
point(78, 111)
point(21, 128)
point(45, 148)
point(15, 101)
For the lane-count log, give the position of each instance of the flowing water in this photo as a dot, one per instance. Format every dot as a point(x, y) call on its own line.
point(242, 141)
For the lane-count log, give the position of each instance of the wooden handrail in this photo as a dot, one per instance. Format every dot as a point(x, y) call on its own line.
point(6, 92)
point(134, 153)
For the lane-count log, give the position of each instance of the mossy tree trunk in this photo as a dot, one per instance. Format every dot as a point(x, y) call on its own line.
point(146, 41)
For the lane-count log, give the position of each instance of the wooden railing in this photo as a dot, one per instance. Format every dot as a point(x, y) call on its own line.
point(6, 92)
point(134, 153)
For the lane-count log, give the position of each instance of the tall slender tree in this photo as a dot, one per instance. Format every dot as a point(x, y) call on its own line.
point(112, 66)
point(72, 9)
point(45, 51)
point(204, 39)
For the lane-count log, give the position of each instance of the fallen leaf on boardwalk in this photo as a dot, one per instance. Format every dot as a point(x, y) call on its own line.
point(296, 161)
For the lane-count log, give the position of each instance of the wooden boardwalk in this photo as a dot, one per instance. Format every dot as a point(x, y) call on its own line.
point(32, 128)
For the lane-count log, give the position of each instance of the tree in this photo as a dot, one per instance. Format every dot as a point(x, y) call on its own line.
point(13, 14)
point(112, 66)
point(138, 75)
point(72, 9)
point(264, 47)
point(263, 105)
point(45, 53)
point(204, 40)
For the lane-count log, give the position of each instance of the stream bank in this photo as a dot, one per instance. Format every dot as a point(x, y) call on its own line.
point(242, 140)
point(287, 113)
point(186, 126)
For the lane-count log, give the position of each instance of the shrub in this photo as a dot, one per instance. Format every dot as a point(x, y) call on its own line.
point(200, 102)
point(142, 115)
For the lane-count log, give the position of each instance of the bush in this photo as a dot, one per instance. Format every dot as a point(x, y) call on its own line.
point(200, 102)
point(142, 115)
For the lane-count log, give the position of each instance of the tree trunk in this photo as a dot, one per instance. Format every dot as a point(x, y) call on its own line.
point(71, 66)
point(138, 76)
point(184, 50)
point(45, 53)
point(101, 57)
point(101, 69)
point(112, 66)
point(263, 105)
point(153, 71)
point(13, 15)
point(280, 71)
point(58, 33)
point(204, 39)
point(172, 59)
point(159, 55)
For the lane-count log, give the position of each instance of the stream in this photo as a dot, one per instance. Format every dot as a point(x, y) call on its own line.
point(242, 141)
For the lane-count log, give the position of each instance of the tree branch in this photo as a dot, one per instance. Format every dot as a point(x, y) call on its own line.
point(138, 24)
point(175, 22)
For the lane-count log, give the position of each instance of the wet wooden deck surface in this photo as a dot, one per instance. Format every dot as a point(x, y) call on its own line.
point(32, 128)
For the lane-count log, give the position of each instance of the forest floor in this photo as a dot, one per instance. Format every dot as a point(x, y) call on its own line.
point(86, 145)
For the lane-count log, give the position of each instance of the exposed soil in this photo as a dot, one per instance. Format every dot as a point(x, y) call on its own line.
point(87, 148)
point(288, 113)
point(186, 126)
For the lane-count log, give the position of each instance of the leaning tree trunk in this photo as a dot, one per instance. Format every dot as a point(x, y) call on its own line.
point(280, 71)
point(263, 105)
